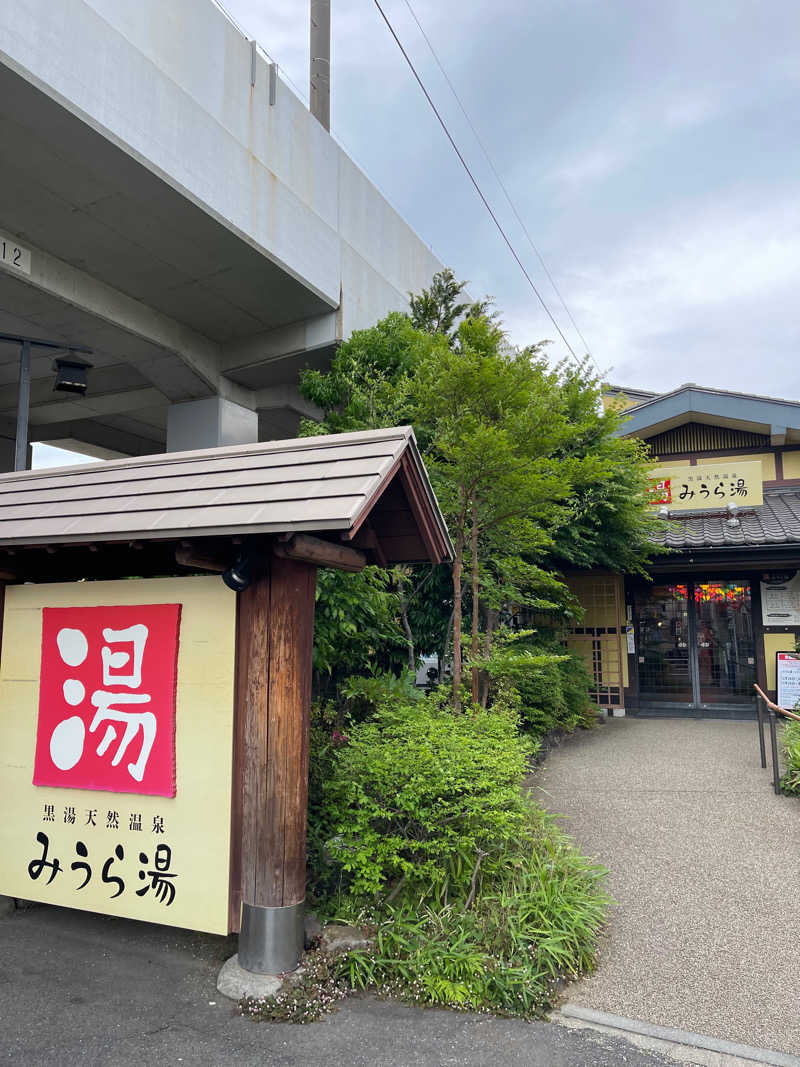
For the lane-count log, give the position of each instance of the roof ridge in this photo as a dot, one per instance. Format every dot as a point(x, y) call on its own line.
point(331, 440)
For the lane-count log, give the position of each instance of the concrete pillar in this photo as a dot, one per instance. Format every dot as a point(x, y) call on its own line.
point(209, 423)
point(320, 78)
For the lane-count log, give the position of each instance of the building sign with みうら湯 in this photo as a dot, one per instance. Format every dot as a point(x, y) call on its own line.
point(708, 487)
point(116, 710)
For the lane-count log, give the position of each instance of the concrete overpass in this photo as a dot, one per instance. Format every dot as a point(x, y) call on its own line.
point(178, 210)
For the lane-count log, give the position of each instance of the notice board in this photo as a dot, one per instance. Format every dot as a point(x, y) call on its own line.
point(787, 671)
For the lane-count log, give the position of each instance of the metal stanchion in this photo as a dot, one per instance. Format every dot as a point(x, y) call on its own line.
point(760, 712)
point(773, 736)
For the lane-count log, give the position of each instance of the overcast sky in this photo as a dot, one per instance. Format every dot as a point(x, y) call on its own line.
point(651, 146)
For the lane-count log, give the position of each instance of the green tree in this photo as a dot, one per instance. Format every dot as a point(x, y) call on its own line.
point(493, 421)
point(531, 473)
point(438, 310)
point(608, 523)
point(368, 385)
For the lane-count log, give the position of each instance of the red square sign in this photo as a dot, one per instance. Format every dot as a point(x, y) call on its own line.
point(107, 699)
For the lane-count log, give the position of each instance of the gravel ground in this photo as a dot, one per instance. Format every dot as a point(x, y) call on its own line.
point(82, 990)
point(704, 866)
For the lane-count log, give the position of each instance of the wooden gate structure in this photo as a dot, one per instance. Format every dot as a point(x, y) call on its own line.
point(232, 539)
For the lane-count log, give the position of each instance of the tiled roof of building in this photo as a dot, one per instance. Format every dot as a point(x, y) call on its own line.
point(327, 483)
point(775, 522)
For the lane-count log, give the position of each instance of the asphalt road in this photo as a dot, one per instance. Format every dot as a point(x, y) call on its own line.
point(82, 990)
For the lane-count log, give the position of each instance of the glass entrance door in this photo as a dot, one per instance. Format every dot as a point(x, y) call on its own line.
point(725, 646)
point(695, 645)
point(664, 662)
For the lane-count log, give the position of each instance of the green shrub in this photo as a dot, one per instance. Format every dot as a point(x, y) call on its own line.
point(552, 683)
point(790, 742)
point(532, 925)
point(424, 833)
point(419, 792)
point(363, 695)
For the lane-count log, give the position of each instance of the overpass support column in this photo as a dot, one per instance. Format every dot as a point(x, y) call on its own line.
point(210, 423)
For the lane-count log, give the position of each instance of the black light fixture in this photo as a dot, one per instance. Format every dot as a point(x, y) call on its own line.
point(239, 576)
point(72, 375)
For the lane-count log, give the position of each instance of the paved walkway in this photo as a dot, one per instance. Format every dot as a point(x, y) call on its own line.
point(704, 865)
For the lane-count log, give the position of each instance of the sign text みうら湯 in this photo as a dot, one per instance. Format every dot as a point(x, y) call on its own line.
point(711, 486)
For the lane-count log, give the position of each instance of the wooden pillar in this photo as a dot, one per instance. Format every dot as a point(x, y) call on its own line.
point(275, 633)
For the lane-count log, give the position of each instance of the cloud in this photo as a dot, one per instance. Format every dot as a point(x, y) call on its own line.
point(650, 148)
point(703, 298)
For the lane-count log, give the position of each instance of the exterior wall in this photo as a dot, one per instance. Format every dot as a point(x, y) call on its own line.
point(791, 464)
point(768, 461)
point(600, 636)
point(779, 465)
point(773, 642)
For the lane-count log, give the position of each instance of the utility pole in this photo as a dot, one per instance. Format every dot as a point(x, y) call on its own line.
point(320, 73)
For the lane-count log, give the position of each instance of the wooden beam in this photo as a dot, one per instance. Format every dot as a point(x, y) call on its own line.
point(188, 556)
point(320, 553)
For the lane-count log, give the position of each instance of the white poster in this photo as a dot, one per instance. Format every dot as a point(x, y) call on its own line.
point(780, 602)
point(788, 671)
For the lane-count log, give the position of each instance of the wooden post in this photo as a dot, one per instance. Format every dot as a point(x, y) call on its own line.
point(273, 699)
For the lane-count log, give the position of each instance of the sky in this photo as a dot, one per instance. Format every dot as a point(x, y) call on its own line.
point(652, 148)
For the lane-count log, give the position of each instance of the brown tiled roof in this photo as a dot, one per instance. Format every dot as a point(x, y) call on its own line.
point(328, 483)
point(776, 522)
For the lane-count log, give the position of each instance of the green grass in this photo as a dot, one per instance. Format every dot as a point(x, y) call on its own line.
point(790, 743)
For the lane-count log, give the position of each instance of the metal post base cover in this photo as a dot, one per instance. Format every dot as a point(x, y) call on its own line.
point(271, 939)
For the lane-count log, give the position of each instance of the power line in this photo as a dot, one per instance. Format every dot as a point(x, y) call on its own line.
point(472, 178)
point(500, 181)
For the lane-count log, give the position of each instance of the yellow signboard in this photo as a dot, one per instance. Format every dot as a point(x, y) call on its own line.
point(708, 487)
point(143, 841)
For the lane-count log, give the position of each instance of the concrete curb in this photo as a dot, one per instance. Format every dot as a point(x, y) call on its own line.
point(679, 1037)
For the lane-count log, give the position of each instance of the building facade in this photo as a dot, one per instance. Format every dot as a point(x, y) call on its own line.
point(723, 600)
